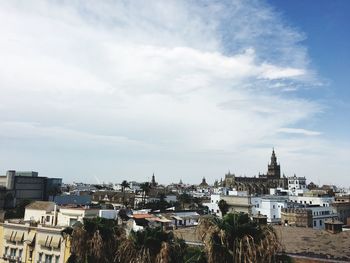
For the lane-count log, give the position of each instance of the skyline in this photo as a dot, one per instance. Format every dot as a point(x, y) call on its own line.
point(181, 89)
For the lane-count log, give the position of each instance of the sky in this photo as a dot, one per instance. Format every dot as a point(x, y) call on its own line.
point(105, 91)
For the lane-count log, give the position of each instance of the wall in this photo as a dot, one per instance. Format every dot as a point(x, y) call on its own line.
point(238, 203)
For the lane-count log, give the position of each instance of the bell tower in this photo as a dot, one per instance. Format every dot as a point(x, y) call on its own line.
point(274, 169)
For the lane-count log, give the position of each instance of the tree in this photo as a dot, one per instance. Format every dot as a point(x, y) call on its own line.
point(96, 240)
point(223, 206)
point(146, 188)
point(124, 185)
point(152, 245)
point(236, 238)
point(184, 199)
point(18, 211)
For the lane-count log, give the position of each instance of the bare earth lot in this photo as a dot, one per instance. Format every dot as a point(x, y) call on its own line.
point(317, 243)
point(300, 241)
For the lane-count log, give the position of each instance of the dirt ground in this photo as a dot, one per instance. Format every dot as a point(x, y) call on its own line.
point(312, 242)
point(299, 241)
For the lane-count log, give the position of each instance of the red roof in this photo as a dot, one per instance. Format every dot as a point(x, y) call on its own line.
point(140, 216)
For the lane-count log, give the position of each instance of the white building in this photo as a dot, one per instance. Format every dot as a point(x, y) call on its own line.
point(41, 212)
point(297, 185)
point(324, 201)
point(320, 214)
point(68, 216)
point(269, 206)
point(213, 206)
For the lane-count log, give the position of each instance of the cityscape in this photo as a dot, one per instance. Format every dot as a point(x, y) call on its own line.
point(174, 131)
point(42, 216)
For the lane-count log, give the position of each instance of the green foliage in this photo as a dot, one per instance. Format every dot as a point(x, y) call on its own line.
point(97, 240)
point(185, 199)
point(223, 206)
point(152, 245)
point(195, 255)
point(18, 211)
point(236, 238)
point(150, 238)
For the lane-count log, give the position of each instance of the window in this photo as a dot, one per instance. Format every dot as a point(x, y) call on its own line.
point(273, 206)
point(314, 222)
point(320, 222)
point(57, 259)
point(6, 250)
point(30, 254)
point(274, 216)
point(47, 218)
point(40, 257)
point(20, 253)
point(48, 258)
point(13, 252)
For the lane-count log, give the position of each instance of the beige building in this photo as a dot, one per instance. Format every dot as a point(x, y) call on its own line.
point(37, 237)
point(28, 242)
point(238, 203)
point(296, 217)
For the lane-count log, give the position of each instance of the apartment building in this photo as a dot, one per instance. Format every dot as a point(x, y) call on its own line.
point(30, 242)
point(37, 237)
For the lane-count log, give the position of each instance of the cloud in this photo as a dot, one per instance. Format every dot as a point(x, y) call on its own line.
point(164, 79)
point(299, 131)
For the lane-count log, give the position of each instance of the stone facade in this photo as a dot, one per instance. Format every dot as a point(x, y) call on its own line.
point(260, 184)
point(296, 217)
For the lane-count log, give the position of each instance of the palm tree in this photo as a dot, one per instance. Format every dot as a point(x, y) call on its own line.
point(151, 245)
point(235, 238)
point(96, 240)
point(146, 188)
point(124, 185)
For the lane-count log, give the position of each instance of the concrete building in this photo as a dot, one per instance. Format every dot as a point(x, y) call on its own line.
point(22, 241)
point(312, 200)
point(300, 217)
point(320, 214)
point(341, 207)
point(297, 185)
point(213, 205)
point(19, 186)
point(41, 212)
point(270, 206)
point(238, 203)
point(68, 216)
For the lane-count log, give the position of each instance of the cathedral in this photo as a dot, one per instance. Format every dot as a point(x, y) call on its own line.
point(260, 184)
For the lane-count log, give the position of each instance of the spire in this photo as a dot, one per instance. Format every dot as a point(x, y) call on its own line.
point(273, 157)
point(274, 169)
point(153, 180)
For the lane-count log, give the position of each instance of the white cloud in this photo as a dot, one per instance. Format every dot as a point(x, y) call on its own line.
point(174, 83)
point(299, 131)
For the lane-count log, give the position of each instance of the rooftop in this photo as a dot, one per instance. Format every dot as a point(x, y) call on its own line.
point(40, 205)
